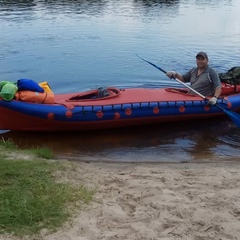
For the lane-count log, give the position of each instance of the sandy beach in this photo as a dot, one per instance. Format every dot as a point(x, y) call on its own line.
point(190, 201)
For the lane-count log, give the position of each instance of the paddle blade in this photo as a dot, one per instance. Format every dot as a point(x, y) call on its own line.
point(235, 117)
point(162, 70)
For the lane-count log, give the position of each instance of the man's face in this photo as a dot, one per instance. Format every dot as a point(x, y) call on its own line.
point(202, 62)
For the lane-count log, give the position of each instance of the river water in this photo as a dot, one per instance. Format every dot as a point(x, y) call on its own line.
point(83, 44)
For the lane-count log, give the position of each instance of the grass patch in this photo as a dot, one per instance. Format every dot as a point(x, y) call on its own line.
point(8, 144)
point(43, 152)
point(31, 199)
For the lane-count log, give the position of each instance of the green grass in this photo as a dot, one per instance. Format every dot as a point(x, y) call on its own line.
point(31, 199)
point(8, 144)
point(42, 152)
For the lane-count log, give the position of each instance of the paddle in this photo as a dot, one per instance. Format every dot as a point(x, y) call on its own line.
point(235, 117)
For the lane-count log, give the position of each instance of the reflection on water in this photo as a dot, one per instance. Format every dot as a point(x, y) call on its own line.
point(93, 43)
point(181, 142)
point(77, 45)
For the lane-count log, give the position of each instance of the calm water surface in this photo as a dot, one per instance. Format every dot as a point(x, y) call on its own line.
point(79, 45)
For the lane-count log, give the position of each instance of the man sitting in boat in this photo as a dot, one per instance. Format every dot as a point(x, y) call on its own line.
point(203, 78)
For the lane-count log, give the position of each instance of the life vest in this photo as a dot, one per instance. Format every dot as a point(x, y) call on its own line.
point(35, 97)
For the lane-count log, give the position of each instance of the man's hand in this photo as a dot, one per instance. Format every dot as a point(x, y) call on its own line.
point(171, 74)
point(212, 101)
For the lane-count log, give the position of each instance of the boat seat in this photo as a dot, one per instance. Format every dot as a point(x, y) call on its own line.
point(102, 92)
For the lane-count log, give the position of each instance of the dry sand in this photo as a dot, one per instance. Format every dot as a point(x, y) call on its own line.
point(156, 201)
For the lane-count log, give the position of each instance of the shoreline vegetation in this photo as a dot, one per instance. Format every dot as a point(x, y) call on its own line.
point(33, 196)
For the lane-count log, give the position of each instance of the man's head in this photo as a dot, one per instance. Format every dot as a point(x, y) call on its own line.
point(202, 59)
point(202, 54)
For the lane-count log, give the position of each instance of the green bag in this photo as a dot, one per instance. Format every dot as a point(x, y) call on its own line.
point(232, 76)
point(8, 90)
point(2, 83)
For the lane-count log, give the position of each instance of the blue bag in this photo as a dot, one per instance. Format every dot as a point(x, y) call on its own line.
point(30, 85)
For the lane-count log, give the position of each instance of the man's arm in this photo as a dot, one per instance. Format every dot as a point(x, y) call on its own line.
point(217, 86)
